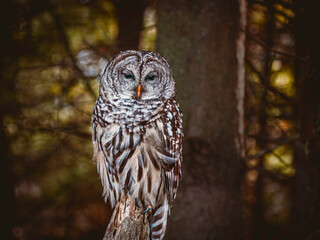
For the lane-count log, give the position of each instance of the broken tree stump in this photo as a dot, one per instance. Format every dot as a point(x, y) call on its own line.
point(128, 222)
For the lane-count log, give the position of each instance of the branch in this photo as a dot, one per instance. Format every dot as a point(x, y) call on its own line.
point(314, 234)
point(270, 149)
point(127, 222)
point(264, 82)
point(271, 49)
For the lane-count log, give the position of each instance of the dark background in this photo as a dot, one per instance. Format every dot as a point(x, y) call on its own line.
point(259, 182)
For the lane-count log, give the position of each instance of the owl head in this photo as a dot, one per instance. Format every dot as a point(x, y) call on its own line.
point(137, 75)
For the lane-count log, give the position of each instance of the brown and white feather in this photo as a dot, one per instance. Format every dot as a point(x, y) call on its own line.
point(138, 142)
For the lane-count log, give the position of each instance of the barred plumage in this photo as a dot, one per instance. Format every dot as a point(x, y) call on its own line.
point(137, 136)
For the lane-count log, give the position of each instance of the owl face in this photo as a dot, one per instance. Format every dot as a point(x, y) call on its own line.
point(139, 75)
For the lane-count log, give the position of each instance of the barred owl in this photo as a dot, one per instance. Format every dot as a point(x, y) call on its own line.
point(137, 134)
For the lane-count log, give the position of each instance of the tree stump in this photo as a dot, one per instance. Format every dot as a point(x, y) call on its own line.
point(128, 222)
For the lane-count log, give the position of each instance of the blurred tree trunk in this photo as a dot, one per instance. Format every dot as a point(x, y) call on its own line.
point(306, 208)
point(9, 108)
point(205, 47)
point(130, 20)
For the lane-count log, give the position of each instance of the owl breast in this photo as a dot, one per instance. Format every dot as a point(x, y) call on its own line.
point(129, 162)
point(136, 156)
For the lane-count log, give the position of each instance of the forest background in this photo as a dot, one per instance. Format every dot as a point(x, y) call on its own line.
point(247, 76)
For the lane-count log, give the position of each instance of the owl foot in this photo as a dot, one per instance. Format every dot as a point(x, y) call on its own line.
point(147, 210)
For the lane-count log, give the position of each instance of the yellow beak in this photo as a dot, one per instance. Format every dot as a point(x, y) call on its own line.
point(139, 91)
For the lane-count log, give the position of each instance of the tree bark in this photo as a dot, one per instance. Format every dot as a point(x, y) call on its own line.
point(128, 222)
point(204, 44)
point(130, 20)
point(306, 207)
point(9, 108)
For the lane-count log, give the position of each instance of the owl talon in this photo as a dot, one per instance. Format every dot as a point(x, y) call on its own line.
point(147, 210)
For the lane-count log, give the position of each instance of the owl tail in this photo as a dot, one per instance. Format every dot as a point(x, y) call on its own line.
point(159, 222)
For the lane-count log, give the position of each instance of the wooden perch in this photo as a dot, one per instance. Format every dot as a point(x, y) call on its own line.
point(127, 222)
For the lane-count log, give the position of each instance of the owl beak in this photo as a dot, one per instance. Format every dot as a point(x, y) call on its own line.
point(139, 91)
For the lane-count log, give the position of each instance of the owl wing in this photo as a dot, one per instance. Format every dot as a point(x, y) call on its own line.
point(171, 155)
point(114, 146)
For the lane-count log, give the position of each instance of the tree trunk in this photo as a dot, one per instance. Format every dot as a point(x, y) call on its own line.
point(128, 222)
point(9, 109)
point(204, 44)
point(306, 208)
point(130, 20)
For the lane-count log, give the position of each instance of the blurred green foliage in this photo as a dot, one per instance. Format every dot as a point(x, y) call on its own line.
point(272, 121)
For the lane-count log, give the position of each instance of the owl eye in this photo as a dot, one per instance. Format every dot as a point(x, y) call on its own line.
point(151, 77)
point(128, 76)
